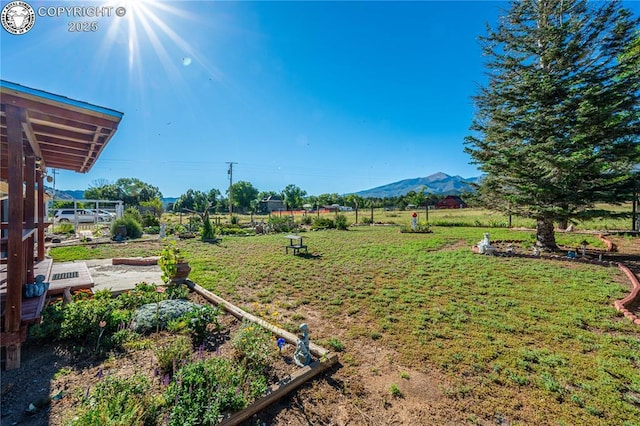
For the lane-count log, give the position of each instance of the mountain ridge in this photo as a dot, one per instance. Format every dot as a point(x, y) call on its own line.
point(438, 183)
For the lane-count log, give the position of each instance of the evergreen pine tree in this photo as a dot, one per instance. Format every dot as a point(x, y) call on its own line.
point(558, 124)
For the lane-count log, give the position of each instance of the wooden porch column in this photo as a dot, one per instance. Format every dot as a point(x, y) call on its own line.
point(29, 213)
point(15, 260)
point(40, 179)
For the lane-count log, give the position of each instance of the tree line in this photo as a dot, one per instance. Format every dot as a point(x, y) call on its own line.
point(247, 198)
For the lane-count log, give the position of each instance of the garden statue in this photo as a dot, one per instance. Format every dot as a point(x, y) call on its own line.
point(414, 221)
point(301, 356)
point(163, 231)
point(484, 246)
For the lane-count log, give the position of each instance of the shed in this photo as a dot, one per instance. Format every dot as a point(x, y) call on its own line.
point(451, 202)
point(270, 204)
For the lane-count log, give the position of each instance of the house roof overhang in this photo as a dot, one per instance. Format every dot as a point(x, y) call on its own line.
point(62, 133)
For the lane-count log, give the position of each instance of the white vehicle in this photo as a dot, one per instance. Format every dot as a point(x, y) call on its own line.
point(80, 216)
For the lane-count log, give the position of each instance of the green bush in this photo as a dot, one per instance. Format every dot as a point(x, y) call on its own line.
point(367, 220)
point(254, 345)
point(133, 213)
point(171, 355)
point(133, 227)
point(198, 320)
point(341, 222)
point(64, 228)
point(203, 390)
point(208, 232)
point(141, 294)
point(323, 223)
point(281, 223)
point(306, 220)
point(155, 316)
point(150, 220)
point(118, 401)
point(155, 230)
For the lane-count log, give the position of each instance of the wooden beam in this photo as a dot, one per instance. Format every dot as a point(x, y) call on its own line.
point(15, 260)
point(41, 227)
point(279, 390)
point(316, 350)
point(31, 136)
point(29, 214)
point(286, 385)
point(95, 142)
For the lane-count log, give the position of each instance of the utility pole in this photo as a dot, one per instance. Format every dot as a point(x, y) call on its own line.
point(230, 173)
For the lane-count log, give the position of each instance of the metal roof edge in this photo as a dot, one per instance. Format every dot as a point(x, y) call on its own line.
point(61, 99)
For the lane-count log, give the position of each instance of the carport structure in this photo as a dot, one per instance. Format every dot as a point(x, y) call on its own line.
point(38, 130)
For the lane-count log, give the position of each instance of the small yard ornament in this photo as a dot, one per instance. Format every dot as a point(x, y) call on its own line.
point(484, 246)
point(414, 221)
point(301, 356)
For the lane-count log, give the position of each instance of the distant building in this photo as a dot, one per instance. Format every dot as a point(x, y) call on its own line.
point(270, 204)
point(451, 202)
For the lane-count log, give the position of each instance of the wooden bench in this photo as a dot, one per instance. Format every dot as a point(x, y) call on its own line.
point(295, 244)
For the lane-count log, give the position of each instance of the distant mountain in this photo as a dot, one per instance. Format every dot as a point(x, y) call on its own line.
point(70, 195)
point(66, 194)
point(437, 183)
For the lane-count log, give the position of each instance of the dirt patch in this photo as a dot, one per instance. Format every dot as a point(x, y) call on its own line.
point(53, 378)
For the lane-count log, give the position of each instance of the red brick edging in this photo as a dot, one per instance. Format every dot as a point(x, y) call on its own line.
point(633, 297)
point(134, 261)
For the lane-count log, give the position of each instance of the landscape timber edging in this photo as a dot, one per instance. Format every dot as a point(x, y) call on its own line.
point(325, 359)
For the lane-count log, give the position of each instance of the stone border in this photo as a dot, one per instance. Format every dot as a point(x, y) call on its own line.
point(135, 261)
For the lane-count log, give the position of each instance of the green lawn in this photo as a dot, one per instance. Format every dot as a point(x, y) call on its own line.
point(536, 341)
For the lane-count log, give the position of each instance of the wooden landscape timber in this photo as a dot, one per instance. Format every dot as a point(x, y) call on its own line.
point(325, 359)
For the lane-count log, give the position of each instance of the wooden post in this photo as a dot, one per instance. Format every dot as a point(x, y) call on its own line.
point(15, 259)
point(29, 213)
point(40, 178)
point(634, 211)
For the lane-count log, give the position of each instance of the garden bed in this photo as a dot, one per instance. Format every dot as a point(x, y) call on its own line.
point(156, 377)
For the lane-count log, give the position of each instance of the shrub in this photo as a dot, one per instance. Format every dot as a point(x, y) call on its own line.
point(118, 401)
point(155, 316)
point(133, 227)
point(133, 213)
point(171, 354)
point(367, 220)
point(150, 220)
point(152, 230)
point(235, 220)
point(341, 222)
point(207, 229)
point(49, 328)
point(198, 320)
point(141, 294)
point(203, 390)
point(254, 345)
point(281, 223)
point(64, 228)
point(323, 223)
point(306, 220)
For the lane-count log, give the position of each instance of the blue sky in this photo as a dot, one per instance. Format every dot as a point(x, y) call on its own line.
point(330, 96)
